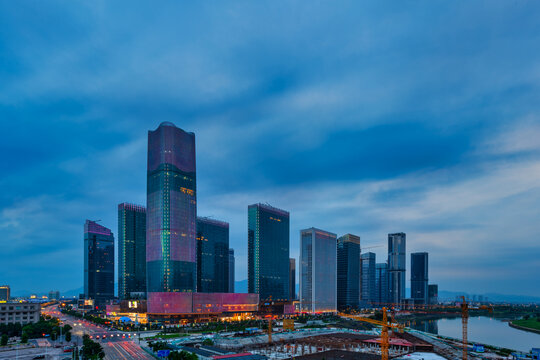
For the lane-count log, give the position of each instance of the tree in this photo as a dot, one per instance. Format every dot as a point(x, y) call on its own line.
point(208, 342)
point(182, 355)
point(24, 338)
point(67, 328)
point(68, 336)
point(4, 340)
point(91, 349)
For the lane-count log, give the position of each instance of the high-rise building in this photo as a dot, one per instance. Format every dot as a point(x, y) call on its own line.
point(419, 277)
point(433, 294)
point(54, 295)
point(369, 291)
point(231, 270)
point(381, 284)
point(318, 271)
point(212, 256)
point(348, 271)
point(4, 292)
point(98, 263)
point(171, 214)
point(268, 252)
point(292, 279)
point(396, 267)
point(131, 251)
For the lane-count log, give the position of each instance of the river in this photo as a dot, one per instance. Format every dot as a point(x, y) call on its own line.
point(483, 330)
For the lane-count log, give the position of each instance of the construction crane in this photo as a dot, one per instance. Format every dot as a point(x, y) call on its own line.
point(465, 322)
point(384, 324)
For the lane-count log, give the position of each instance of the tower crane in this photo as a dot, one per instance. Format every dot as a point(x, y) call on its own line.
point(384, 324)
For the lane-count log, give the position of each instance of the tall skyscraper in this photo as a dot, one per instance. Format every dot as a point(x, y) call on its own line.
point(381, 283)
point(318, 271)
point(419, 277)
point(4, 292)
point(369, 291)
point(171, 218)
point(396, 267)
point(433, 294)
point(98, 263)
point(54, 295)
point(268, 252)
point(348, 271)
point(292, 279)
point(231, 270)
point(131, 251)
point(212, 256)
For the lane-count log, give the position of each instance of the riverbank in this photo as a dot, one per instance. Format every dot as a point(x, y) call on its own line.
point(524, 328)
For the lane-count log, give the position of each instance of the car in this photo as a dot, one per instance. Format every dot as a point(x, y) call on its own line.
point(38, 357)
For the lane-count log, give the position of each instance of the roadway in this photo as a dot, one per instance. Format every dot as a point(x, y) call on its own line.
point(118, 345)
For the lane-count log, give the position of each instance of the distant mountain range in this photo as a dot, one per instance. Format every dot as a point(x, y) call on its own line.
point(242, 287)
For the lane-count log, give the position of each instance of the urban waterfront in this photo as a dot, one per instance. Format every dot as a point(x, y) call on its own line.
point(486, 330)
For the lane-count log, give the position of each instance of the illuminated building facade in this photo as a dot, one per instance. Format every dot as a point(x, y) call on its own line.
point(212, 256)
point(268, 252)
point(4, 292)
point(171, 228)
point(396, 267)
point(318, 271)
point(231, 270)
point(348, 271)
point(419, 277)
point(98, 263)
point(131, 251)
point(185, 303)
point(381, 283)
point(368, 278)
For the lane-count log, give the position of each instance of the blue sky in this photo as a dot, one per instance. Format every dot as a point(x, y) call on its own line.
point(361, 117)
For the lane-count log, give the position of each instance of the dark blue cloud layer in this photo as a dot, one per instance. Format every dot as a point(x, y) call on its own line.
point(356, 118)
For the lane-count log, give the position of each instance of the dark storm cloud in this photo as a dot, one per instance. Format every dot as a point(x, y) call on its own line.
point(370, 118)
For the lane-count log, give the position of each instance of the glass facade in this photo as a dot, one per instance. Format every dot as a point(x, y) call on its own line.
point(381, 283)
point(292, 279)
point(131, 250)
point(98, 263)
point(212, 256)
point(369, 291)
point(348, 271)
point(433, 294)
point(396, 267)
point(231, 270)
point(318, 271)
point(419, 277)
point(171, 228)
point(268, 252)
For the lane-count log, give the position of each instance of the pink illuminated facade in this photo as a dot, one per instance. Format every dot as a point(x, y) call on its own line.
point(185, 303)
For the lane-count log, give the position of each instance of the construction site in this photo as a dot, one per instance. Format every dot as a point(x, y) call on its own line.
point(381, 339)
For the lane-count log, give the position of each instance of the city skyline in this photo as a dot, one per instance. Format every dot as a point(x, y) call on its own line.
point(447, 154)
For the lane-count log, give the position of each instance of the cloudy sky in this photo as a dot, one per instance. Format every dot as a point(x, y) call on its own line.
point(360, 117)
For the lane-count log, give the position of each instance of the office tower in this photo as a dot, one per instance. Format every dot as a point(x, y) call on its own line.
point(348, 271)
point(292, 279)
point(131, 251)
point(4, 292)
point(212, 256)
point(318, 271)
point(396, 267)
point(419, 277)
point(268, 252)
point(381, 284)
point(369, 291)
point(231, 270)
point(433, 294)
point(98, 263)
point(54, 295)
point(171, 214)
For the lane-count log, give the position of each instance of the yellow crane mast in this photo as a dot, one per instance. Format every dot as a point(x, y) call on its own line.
point(384, 324)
